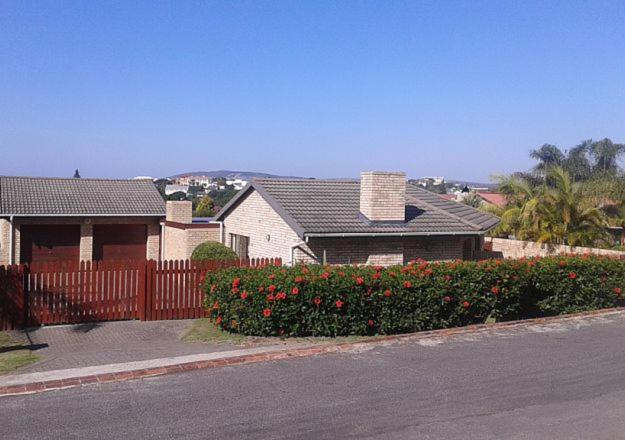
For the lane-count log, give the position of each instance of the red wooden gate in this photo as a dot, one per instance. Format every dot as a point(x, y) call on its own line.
point(69, 292)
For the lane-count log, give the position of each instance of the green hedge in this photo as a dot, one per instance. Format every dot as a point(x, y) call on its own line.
point(348, 300)
point(213, 251)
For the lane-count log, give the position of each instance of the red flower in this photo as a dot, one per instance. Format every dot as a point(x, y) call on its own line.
point(216, 305)
point(267, 313)
point(272, 288)
point(370, 323)
point(447, 299)
point(617, 290)
point(387, 293)
point(317, 301)
point(218, 320)
point(244, 295)
point(299, 279)
point(341, 273)
point(495, 290)
point(562, 263)
point(378, 268)
point(261, 289)
point(466, 304)
point(376, 276)
point(272, 276)
point(428, 272)
point(280, 295)
point(572, 275)
point(325, 275)
point(339, 303)
point(360, 281)
point(270, 297)
point(236, 282)
point(235, 290)
point(407, 284)
point(294, 291)
point(213, 287)
point(448, 278)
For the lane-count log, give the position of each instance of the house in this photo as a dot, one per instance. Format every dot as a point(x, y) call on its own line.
point(379, 219)
point(54, 219)
point(172, 189)
point(492, 198)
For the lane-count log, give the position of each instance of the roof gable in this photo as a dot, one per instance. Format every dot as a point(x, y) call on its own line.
point(38, 196)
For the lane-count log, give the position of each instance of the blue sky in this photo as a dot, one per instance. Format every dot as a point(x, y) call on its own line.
point(326, 89)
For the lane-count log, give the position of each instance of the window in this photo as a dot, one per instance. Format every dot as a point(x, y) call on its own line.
point(240, 244)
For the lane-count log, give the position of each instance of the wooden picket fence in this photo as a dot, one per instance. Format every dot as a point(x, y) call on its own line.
point(72, 292)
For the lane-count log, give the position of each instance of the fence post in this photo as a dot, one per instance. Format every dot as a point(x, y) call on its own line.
point(141, 291)
point(24, 270)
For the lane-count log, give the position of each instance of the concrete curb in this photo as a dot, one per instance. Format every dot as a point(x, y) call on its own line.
point(60, 379)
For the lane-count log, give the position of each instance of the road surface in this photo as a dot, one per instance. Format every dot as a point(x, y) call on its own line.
point(564, 381)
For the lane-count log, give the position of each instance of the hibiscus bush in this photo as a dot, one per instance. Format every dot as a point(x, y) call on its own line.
point(313, 300)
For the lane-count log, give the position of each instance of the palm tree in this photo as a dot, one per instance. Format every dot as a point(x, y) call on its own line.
point(565, 216)
point(547, 156)
point(606, 154)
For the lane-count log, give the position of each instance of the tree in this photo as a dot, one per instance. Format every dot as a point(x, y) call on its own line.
point(204, 207)
point(606, 154)
point(472, 200)
point(547, 156)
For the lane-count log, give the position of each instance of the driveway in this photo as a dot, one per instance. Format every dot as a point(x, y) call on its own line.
point(84, 345)
point(549, 382)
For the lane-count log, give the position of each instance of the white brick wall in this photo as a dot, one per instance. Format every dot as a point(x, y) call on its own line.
point(518, 249)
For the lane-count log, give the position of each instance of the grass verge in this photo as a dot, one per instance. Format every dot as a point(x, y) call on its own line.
point(14, 353)
point(204, 330)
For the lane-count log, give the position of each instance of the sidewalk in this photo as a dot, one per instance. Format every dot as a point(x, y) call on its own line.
point(112, 372)
point(89, 344)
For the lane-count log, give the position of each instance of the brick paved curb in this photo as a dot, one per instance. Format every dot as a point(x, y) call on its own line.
point(288, 353)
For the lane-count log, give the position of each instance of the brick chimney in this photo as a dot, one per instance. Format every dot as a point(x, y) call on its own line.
point(383, 195)
point(179, 212)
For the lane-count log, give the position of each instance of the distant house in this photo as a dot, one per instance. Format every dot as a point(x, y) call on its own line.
point(52, 219)
point(379, 219)
point(492, 198)
point(172, 189)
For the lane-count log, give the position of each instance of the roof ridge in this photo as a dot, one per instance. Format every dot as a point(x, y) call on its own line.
point(436, 208)
point(76, 179)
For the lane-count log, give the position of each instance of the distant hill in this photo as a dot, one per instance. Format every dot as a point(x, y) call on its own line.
point(230, 174)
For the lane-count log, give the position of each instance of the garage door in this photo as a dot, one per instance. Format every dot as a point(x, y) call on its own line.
point(49, 243)
point(119, 242)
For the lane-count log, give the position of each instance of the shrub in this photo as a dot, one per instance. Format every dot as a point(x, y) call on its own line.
point(348, 300)
point(211, 250)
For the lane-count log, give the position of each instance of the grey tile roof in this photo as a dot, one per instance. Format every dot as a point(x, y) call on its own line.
point(32, 196)
point(313, 206)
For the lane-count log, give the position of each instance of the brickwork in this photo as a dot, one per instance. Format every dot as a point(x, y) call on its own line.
point(180, 212)
point(269, 234)
point(384, 250)
point(5, 238)
point(179, 243)
point(86, 241)
point(153, 245)
point(383, 196)
point(516, 249)
point(174, 244)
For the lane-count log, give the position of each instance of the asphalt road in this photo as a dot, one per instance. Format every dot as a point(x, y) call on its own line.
point(559, 382)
